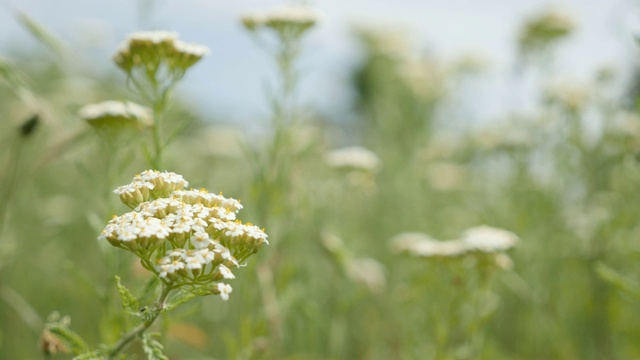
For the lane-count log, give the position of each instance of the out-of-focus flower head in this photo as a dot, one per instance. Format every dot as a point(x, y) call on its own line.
point(116, 122)
point(116, 114)
point(152, 49)
point(476, 240)
point(353, 158)
point(540, 32)
point(290, 21)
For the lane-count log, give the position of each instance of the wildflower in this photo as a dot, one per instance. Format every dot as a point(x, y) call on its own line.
point(223, 290)
point(353, 158)
point(489, 239)
point(116, 115)
point(253, 21)
point(193, 234)
point(149, 185)
point(544, 30)
point(483, 239)
point(287, 21)
point(225, 272)
point(152, 49)
point(422, 245)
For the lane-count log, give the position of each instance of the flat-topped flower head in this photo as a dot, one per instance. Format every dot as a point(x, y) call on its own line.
point(149, 185)
point(545, 29)
point(253, 21)
point(185, 55)
point(489, 239)
point(144, 48)
point(480, 239)
point(152, 50)
point(353, 158)
point(116, 115)
point(185, 237)
point(208, 199)
point(287, 21)
point(422, 245)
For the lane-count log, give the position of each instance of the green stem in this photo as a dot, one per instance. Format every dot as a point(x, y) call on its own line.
point(138, 330)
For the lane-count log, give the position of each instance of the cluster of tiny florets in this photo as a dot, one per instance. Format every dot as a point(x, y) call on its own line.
point(293, 20)
point(480, 239)
point(353, 158)
point(116, 114)
point(152, 49)
point(150, 184)
point(186, 237)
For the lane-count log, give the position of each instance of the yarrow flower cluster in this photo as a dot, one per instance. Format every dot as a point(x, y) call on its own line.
point(116, 114)
point(545, 29)
point(151, 49)
point(479, 240)
point(186, 237)
point(293, 20)
point(353, 158)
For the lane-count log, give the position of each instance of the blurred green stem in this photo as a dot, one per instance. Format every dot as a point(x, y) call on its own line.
point(269, 182)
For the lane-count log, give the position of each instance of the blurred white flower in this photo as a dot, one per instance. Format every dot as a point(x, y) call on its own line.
point(353, 158)
point(422, 245)
point(482, 238)
point(289, 20)
point(116, 114)
point(489, 239)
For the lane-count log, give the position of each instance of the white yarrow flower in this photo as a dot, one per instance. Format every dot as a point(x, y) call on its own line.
point(489, 239)
point(224, 290)
point(354, 158)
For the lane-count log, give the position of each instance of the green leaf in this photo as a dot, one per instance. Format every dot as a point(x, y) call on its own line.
point(616, 279)
point(152, 348)
point(129, 302)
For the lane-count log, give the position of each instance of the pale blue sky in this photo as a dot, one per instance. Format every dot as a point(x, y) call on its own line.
point(231, 79)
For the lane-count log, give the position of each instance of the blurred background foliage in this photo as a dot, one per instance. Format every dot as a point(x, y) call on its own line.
point(563, 177)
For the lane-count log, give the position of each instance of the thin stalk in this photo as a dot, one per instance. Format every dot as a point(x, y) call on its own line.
point(270, 178)
point(138, 330)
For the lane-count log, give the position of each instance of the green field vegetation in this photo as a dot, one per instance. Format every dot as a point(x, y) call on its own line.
point(352, 270)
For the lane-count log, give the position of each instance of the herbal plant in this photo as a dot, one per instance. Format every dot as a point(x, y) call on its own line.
point(411, 158)
point(188, 239)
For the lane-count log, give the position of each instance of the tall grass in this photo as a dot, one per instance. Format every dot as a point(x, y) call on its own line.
point(332, 284)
